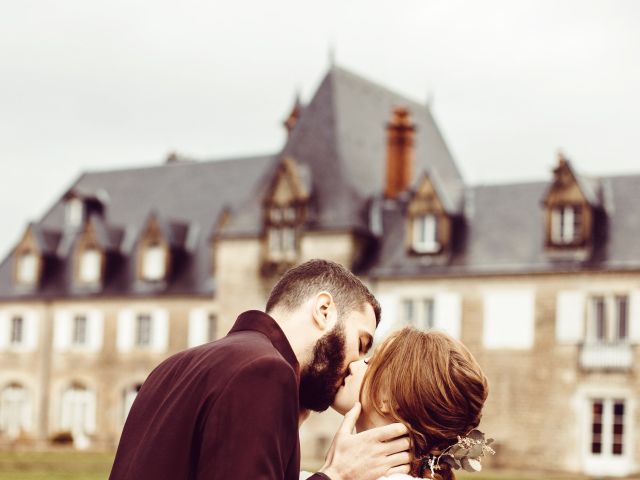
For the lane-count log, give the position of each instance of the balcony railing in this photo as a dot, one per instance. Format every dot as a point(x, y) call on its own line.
point(606, 356)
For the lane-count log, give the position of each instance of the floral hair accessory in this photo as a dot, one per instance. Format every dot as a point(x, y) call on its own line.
point(465, 454)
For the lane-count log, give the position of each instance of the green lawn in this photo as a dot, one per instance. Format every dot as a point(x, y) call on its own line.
point(69, 465)
point(55, 466)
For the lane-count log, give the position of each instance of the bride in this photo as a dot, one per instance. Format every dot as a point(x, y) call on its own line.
point(431, 383)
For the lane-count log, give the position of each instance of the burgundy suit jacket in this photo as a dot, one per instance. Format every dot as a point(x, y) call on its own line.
point(224, 410)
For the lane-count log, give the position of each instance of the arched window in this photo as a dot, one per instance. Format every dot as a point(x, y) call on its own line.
point(78, 414)
point(15, 411)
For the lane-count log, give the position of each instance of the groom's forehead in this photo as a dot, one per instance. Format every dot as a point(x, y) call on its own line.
point(364, 319)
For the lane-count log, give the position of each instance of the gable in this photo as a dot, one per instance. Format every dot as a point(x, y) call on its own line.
point(425, 199)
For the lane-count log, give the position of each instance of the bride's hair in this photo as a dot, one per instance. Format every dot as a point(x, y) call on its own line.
point(431, 383)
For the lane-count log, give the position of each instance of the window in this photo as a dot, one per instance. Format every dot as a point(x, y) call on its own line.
point(74, 212)
point(425, 234)
point(282, 240)
point(143, 330)
point(154, 262)
point(607, 427)
point(281, 231)
point(15, 415)
point(79, 330)
point(130, 395)
point(90, 265)
point(212, 326)
point(16, 336)
point(566, 225)
point(608, 319)
point(78, 414)
point(27, 270)
point(622, 317)
point(419, 313)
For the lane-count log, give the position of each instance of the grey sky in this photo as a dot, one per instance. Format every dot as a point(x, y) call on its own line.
point(98, 85)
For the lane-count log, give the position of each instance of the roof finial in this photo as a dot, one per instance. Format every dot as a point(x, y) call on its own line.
point(562, 158)
point(332, 55)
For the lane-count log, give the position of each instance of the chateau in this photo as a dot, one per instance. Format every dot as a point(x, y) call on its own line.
point(540, 280)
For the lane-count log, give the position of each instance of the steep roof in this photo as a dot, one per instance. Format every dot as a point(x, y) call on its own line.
point(341, 138)
point(188, 197)
point(504, 233)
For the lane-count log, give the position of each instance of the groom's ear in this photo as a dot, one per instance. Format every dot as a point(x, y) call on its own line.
point(324, 311)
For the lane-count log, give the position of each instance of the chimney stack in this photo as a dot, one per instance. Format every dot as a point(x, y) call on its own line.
point(400, 140)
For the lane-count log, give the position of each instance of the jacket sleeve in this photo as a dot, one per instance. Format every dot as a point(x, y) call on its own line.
point(251, 430)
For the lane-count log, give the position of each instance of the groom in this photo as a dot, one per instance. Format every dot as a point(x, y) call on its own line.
point(230, 409)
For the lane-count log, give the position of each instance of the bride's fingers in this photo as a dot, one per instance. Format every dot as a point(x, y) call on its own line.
point(397, 445)
point(398, 459)
point(400, 469)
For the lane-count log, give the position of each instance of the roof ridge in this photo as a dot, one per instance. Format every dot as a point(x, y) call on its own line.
point(199, 163)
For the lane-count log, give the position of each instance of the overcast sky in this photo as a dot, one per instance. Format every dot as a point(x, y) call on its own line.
point(88, 85)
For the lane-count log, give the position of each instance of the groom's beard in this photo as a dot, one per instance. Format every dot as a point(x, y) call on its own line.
point(320, 380)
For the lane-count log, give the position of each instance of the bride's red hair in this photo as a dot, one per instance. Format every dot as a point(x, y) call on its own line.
point(430, 382)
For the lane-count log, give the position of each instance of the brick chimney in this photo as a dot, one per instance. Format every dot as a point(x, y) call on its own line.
point(400, 140)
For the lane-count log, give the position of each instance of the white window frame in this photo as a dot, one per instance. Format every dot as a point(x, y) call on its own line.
point(611, 321)
point(564, 230)
point(15, 410)
point(415, 311)
point(606, 463)
point(16, 321)
point(143, 336)
point(154, 262)
point(90, 266)
point(78, 330)
point(127, 331)
point(64, 330)
point(425, 233)
point(27, 268)
point(78, 414)
point(29, 334)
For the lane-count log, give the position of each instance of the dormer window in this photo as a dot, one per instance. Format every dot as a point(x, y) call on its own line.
point(27, 268)
point(281, 232)
point(566, 224)
point(74, 212)
point(429, 227)
point(574, 213)
point(154, 262)
point(284, 214)
point(425, 234)
point(90, 267)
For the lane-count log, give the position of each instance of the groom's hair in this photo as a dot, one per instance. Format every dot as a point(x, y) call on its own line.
point(299, 283)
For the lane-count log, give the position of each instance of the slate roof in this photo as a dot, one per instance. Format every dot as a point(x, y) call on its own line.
point(504, 233)
point(188, 198)
point(341, 138)
point(339, 144)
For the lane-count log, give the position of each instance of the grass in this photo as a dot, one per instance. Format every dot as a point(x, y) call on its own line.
point(71, 465)
point(55, 465)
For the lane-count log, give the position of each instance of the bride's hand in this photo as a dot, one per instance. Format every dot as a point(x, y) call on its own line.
point(368, 455)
